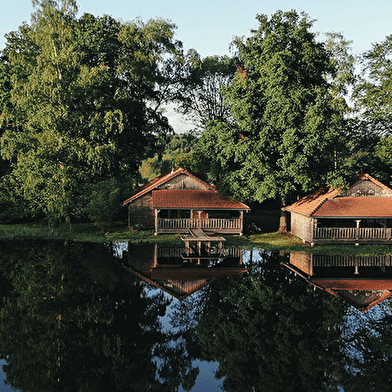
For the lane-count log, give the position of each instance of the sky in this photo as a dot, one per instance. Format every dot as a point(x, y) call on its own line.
point(210, 25)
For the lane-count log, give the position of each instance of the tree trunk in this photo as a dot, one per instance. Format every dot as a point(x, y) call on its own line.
point(283, 221)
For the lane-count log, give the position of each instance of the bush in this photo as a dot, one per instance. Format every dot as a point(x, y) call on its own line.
point(105, 203)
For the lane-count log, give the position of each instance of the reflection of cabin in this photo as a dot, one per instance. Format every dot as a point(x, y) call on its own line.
point(362, 214)
point(362, 281)
point(171, 270)
point(179, 201)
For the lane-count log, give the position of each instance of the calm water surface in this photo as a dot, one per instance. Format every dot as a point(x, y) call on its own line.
point(116, 317)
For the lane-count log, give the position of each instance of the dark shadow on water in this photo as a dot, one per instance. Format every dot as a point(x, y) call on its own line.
point(119, 317)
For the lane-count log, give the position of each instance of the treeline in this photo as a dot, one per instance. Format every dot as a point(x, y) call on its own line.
point(82, 119)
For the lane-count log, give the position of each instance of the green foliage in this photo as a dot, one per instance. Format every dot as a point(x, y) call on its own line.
point(287, 119)
point(105, 202)
point(343, 61)
point(154, 167)
point(373, 93)
point(200, 95)
point(83, 104)
point(180, 151)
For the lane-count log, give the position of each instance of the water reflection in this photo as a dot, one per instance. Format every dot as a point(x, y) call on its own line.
point(362, 281)
point(180, 272)
point(72, 318)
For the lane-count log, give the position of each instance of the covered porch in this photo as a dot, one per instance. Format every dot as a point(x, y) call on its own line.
point(352, 231)
point(180, 221)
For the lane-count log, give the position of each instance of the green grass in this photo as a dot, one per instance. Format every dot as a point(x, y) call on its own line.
point(86, 232)
point(80, 232)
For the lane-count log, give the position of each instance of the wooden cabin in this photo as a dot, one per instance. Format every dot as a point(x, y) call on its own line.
point(360, 215)
point(179, 201)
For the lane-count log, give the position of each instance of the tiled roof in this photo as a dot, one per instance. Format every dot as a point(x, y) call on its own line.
point(309, 204)
point(178, 199)
point(164, 178)
point(326, 202)
point(353, 207)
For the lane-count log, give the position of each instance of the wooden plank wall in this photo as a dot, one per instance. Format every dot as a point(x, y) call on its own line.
point(141, 210)
point(301, 226)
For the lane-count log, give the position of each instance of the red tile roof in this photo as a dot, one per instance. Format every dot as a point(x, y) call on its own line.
point(326, 202)
point(356, 207)
point(164, 178)
point(178, 199)
point(309, 204)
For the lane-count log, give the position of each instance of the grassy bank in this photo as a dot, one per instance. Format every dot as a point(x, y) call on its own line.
point(81, 232)
point(90, 233)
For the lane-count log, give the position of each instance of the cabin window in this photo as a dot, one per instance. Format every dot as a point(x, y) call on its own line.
point(175, 214)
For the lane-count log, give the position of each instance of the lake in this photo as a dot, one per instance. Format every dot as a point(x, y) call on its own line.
point(121, 317)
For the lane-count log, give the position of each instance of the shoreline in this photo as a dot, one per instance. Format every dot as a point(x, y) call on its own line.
point(87, 232)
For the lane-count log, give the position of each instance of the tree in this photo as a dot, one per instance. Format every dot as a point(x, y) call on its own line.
point(374, 103)
point(84, 102)
point(373, 93)
point(180, 151)
point(200, 95)
point(344, 62)
point(287, 120)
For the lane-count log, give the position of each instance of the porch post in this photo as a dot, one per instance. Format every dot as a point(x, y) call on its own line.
point(357, 221)
point(199, 220)
point(129, 215)
point(156, 211)
point(242, 222)
point(313, 227)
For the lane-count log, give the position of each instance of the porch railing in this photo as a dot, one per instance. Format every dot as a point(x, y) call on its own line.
point(208, 224)
point(349, 233)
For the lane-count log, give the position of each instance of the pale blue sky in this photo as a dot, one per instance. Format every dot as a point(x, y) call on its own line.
point(209, 25)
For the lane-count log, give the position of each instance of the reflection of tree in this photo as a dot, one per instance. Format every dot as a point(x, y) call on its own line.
point(369, 353)
point(270, 331)
point(72, 320)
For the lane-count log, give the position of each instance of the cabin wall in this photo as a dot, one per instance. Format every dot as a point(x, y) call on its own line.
point(366, 188)
point(141, 212)
point(301, 226)
point(183, 181)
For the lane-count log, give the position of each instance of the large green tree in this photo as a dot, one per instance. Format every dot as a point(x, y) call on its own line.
point(200, 95)
point(373, 94)
point(374, 105)
point(84, 102)
point(287, 117)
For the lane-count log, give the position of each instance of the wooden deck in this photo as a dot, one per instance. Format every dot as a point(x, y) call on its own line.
point(199, 237)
